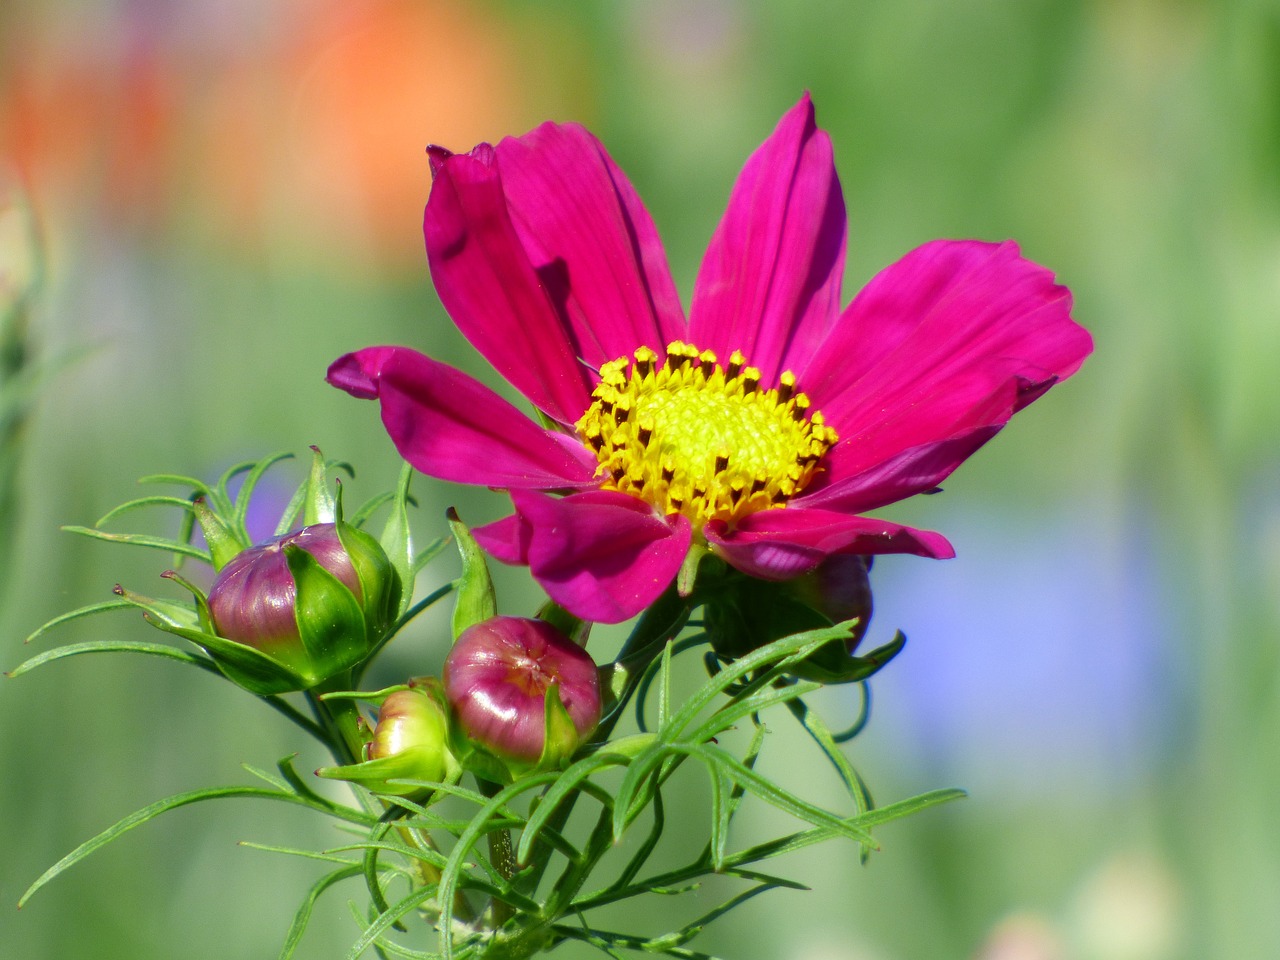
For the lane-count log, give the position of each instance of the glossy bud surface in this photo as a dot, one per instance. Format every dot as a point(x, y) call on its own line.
point(497, 678)
point(252, 601)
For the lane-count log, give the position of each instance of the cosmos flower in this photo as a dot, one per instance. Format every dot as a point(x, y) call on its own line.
point(763, 428)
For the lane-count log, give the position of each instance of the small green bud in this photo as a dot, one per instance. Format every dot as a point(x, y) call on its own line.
point(410, 742)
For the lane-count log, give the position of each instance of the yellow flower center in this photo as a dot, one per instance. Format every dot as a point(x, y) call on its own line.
point(693, 437)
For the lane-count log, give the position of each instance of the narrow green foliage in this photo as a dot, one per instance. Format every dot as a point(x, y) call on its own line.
point(503, 871)
point(113, 646)
point(749, 761)
point(566, 784)
point(428, 553)
point(303, 916)
point(817, 729)
point(77, 614)
point(181, 503)
point(150, 812)
point(168, 544)
point(177, 479)
point(476, 601)
point(240, 513)
point(664, 686)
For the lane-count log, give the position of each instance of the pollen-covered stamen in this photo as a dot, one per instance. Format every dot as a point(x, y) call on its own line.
point(693, 437)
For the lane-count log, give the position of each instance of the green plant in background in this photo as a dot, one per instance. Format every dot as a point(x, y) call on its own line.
point(20, 279)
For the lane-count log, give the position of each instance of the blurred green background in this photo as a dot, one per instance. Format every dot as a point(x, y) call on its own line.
point(229, 196)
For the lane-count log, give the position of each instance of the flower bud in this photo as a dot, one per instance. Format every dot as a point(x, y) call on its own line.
point(746, 614)
point(410, 742)
point(315, 601)
point(839, 588)
point(522, 691)
point(253, 598)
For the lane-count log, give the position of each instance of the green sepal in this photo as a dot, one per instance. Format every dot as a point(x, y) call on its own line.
point(397, 540)
point(476, 600)
point(251, 669)
point(177, 614)
point(255, 671)
point(380, 583)
point(222, 540)
point(833, 663)
point(203, 612)
point(319, 505)
point(366, 696)
point(476, 760)
point(381, 776)
point(371, 774)
point(331, 623)
point(560, 737)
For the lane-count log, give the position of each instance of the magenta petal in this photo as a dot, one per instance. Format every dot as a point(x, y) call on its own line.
point(358, 373)
point(506, 539)
point(781, 544)
point(769, 284)
point(450, 426)
point(954, 337)
point(486, 282)
point(913, 471)
point(848, 483)
point(591, 241)
point(601, 555)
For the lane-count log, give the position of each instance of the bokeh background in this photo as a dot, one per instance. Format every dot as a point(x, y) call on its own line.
point(228, 196)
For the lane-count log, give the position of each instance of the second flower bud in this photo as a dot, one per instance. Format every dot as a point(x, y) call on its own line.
point(522, 691)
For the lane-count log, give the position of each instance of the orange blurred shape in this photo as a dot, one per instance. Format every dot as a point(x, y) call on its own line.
point(300, 128)
point(360, 91)
point(90, 123)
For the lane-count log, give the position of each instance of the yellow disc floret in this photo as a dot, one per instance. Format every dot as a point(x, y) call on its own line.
point(694, 437)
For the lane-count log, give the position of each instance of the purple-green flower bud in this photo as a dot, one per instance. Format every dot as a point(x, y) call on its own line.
point(348, 598)
point(511, 681)
point(410, 742)
point(252, 600)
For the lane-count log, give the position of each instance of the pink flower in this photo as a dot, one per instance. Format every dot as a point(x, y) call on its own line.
point(764, 427)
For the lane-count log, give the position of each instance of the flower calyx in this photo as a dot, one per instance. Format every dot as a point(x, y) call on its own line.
point(743, 614)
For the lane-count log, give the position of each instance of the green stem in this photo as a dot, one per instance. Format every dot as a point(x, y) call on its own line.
point(661, 622)
point(339, 719)
point(502, 856)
